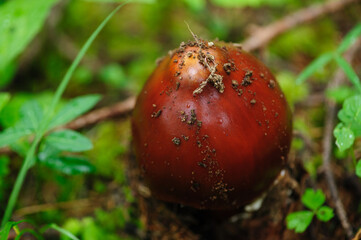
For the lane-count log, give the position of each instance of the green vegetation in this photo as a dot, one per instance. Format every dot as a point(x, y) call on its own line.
point(350, 115)
point(299, 221)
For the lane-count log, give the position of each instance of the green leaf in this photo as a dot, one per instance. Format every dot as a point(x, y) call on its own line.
point(4, 99)
point(20, 21)
point(350, 73)
point(47, 151)
point(74, 108)
point(10, 114)
point(324, 213)
point(350, 114)
point(350, 38)
point(344, 137)
point(313, 200)
point(63, 231)
point(314, 66)
point(69, 140)
point(20, 147)
point(71, 165)
point(358, 168)
point(6, 229)
point(31, 114)
point(12, 135)
point(299, 221)
point(28, 231)
point(340, 94)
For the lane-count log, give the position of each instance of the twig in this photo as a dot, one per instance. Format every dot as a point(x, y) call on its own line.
point(75, 204)
point(263, 35)
point(331, 109)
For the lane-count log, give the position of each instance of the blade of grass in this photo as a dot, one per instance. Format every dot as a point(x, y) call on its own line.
point(59, 229)
point(29, 231)
point(349, 39)
point(5, 230)
point(59, 92)
point(44, 124)
point(20, 179)
point(314, 66)
point(350, 73)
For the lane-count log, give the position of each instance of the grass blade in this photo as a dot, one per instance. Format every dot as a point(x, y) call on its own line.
point(29, 231)
point(318, 63)
point(64, 83)
point(349, 39)
point(350, 73)
point(63, 231)
point(6, 228)
point(12, 135)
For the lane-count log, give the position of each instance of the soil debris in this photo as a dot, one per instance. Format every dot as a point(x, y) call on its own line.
point(227, 68)
point(271, 84)
point(234, 84)
point(247, 79)
point(156, 114)
point(186, 138)
point(193, 118)
point(176, 141)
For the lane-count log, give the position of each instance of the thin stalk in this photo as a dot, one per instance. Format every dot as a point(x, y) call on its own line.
point(64, 83)
point(45, 122)
point(20, 179)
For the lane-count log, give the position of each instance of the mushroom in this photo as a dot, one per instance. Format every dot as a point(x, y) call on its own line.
point(221, 129)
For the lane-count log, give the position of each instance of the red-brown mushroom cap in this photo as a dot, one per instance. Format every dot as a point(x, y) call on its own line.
point(211, 127)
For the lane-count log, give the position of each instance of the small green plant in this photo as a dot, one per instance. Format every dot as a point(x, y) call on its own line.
point(314, 200)
point(48, 143)
point(345, 132)
point(349, 128)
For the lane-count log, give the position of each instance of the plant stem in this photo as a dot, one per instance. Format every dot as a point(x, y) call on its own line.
point(20, 179)
point(45, 122)
point(331, 110)
point(64, 83)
